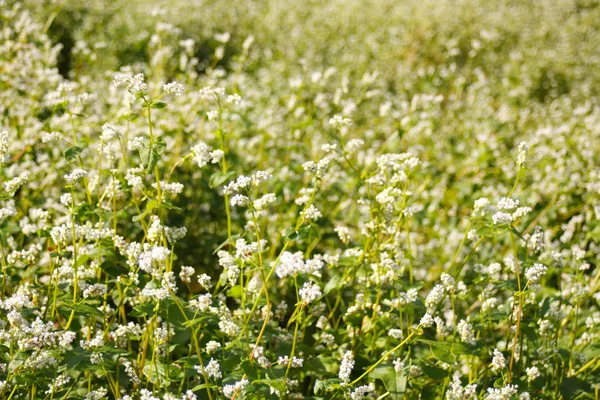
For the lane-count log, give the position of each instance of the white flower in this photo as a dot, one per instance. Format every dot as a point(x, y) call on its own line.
point(131, 373)
point(457, 392)
point(343, 233)
point(295, 362)
point(261, 204)
point(222, 37)
point(75, 176)
point(234, 99)
point(230, 390)
point(502, 218)
point(228, 327)
point(398, 365)
point(14, 184)
point(239, 200)
point(48, 137)
point(210, 93)
point(97, 394)
point(186, 274)
point(504, 393)
point(290, 264)
point(520, 213)
point(212, 346)
point(434, 297)
point(174, 88)
point(448, 282)
point(522, 157)
point(202, 302)
point(3, 144)
point(108, 133)
point(9, 210)
point(95, 290)
point(310, 292)
point(532, 373)
point(506, 203)
point(312, 213)
point(205, 281)
point(535, 273)
point(337, 121)
point(354, 145)
point(415, 371)
point(498, 361)
point(426, 321)
point(346, 367)
point(481, 206)
point(135, 84)
point(361, 392)
point(212, 369)
point(203, 154)
point(212, 115)
point(395, 333)
point(260, 177)
point(216, 156)
point(466, 332)
point(489, 304)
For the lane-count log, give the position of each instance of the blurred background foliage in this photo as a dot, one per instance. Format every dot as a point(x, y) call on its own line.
point(391, 37)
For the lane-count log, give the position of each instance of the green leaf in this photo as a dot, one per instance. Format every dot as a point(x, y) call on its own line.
point(227, 242)
point(394, 382)
point(86, 309)
point(82, 260)
point(77, 360)
point(218, 178)
point(322, 365)
point(436, 373)
point(276, 384)
point(5, 195)
point(159, 105)
point(235, 292)
point(592, 350)
point(300, 234)
point(348, 261)
point(169, 206)
point(150, 154)
point(572, 387)
point(156, 373)
point(326, 385)
point(320, 386)
point(335, 282)
point(447, 351)
point(151, 205)
point(516, 232)
point(249, 369)
point(113, 269)
point(72, 152)
point(199, 387)
point(145, 156)
point(142, 310)
point(193, 322)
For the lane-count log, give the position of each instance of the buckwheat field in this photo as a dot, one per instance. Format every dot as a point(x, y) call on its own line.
point(269, 199)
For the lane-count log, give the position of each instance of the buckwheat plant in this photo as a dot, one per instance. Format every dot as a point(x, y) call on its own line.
point(367, 199)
